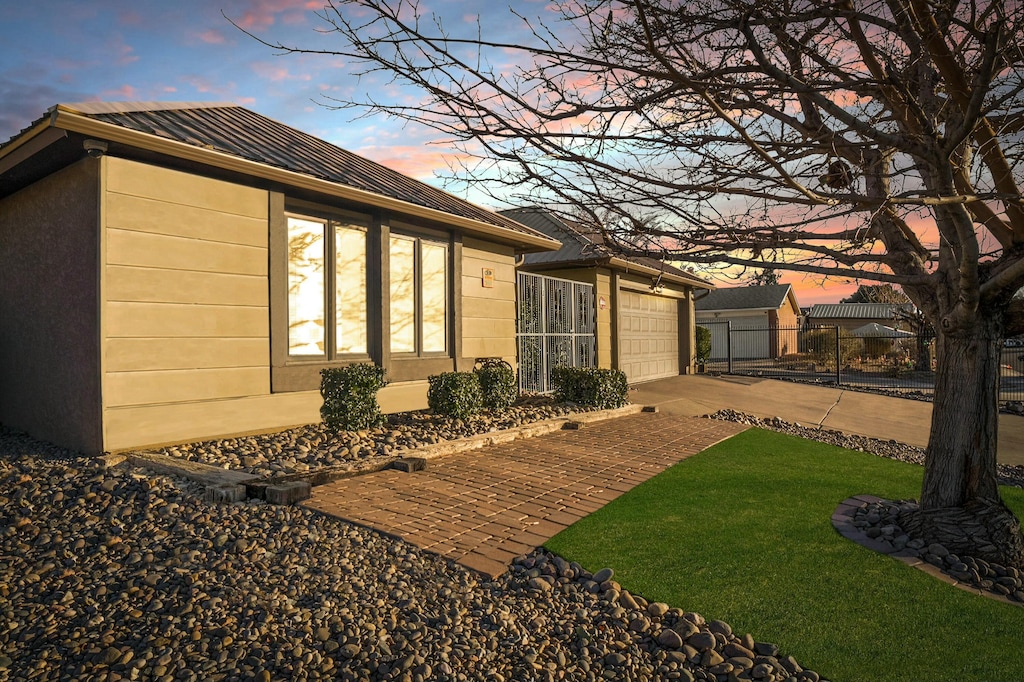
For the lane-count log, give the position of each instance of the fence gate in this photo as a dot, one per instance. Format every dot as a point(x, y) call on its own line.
point(554, 328)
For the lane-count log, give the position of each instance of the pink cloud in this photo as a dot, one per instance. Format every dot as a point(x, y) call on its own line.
point(126, 92)
point(276, 73)
point(212, 37)
point(415, 161)
point(262, 14)
point(129, 18)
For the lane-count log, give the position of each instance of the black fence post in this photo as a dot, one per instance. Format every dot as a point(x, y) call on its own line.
point(728, 344)
point(839, 358)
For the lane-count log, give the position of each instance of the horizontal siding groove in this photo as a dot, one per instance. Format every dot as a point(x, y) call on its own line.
point(176, 235)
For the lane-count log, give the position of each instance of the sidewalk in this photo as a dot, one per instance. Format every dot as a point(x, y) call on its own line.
point(857, 412)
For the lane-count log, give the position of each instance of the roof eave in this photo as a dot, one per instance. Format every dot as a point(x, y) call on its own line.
point(67, 119)
point(629, 266)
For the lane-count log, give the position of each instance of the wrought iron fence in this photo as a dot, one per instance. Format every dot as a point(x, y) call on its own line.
point(555, 328)
point(883, 358)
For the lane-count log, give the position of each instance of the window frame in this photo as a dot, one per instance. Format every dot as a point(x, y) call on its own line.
point(418, 237)
point(332, 220)
point(302, 373)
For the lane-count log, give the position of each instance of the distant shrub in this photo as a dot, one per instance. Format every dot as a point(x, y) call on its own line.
point(350, 396)
point(497, 385)
point(877, 346)
point(703, 345)
point(455, 394)
point(600, 388)
point(821, 346)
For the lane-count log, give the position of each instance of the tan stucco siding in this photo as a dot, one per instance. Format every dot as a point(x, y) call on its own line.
point(49, 292)
point(488, 313)
point(185, 283)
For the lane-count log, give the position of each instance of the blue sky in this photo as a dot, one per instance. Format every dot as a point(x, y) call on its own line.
point(112, 50)
point(186, 50)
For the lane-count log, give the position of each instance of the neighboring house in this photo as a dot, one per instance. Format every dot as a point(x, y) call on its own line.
point(644, 307)
point(173, 272)
point(764, 321)
point(852, 316)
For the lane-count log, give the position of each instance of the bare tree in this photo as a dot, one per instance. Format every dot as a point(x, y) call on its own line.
point(877, 140)
point(763, 277)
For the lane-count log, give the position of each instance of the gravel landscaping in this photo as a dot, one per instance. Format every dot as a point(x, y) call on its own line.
point(116, 573)
point(305, 448)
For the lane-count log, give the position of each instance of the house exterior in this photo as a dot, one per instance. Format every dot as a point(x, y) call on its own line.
point(644, 307)
point(175, 272)
point(764, 321)
point(851, 316)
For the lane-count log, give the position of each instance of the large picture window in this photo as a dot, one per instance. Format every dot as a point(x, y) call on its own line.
point(327, 294)
point(419, 295)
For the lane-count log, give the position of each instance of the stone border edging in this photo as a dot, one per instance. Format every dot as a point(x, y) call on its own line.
point(541, 428)
point(842, 521)
point(230, 480)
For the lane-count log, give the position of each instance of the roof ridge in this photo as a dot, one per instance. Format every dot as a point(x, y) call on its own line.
point(97, 107)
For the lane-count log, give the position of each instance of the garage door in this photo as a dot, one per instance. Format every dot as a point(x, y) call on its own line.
point(648, 336)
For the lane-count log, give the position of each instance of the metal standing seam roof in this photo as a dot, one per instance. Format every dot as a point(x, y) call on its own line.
point(767, 297)
point(580, 245)
point(856, 311)
point(239, 132)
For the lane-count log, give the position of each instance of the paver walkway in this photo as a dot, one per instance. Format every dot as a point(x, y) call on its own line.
point(486, 507)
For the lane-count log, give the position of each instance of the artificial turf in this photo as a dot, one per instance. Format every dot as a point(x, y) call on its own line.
point(741, 532)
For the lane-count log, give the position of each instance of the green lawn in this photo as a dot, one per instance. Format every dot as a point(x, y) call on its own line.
point(742, 533)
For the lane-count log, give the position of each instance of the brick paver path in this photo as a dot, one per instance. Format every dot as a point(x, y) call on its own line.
point(486, 507)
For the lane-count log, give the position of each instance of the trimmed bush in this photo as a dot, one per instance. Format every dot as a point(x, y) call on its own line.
point(600, 388)
point(703, 336)
point(350, 396)
point(455, 394)
point(498, 385)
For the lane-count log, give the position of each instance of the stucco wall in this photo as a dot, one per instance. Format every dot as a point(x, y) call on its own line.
point(49, 341)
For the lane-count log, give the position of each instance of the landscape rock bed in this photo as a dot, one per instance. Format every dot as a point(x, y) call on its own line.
point(882, 522)
point(306, 448)
point(116, 574)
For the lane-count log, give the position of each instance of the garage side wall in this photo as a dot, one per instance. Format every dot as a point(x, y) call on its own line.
point(488, 307)
point(49, 338)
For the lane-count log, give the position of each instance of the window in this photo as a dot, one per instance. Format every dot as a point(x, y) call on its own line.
point(327, 292)
point(419, 295)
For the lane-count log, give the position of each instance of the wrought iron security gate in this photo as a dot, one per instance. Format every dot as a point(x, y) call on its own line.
point(555, 328)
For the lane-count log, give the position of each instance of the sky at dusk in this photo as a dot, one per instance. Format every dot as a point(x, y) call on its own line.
point(186, 51)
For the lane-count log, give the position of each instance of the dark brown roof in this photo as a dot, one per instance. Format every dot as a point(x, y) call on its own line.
point(584, 246)
point(245, 134)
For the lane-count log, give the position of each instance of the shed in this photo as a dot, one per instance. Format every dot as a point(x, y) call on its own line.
point(850, 316)
point(644, 316)
point(764, 320)
point(179, 271)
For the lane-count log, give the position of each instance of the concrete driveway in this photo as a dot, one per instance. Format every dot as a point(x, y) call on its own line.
point(857, 412)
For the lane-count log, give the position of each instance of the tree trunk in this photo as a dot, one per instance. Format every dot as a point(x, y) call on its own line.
point(960, 504)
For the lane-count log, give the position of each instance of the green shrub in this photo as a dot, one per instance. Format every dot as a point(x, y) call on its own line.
point(498, 385)
point(455, 394)
point(821, 346)
point(703, 345)
point(877, 346)
point(600, 388)
point(350, 396)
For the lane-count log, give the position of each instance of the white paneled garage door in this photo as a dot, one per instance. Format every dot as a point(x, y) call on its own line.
point(648, 336)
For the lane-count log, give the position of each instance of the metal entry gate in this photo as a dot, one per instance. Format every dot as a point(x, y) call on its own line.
point(554, 328)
